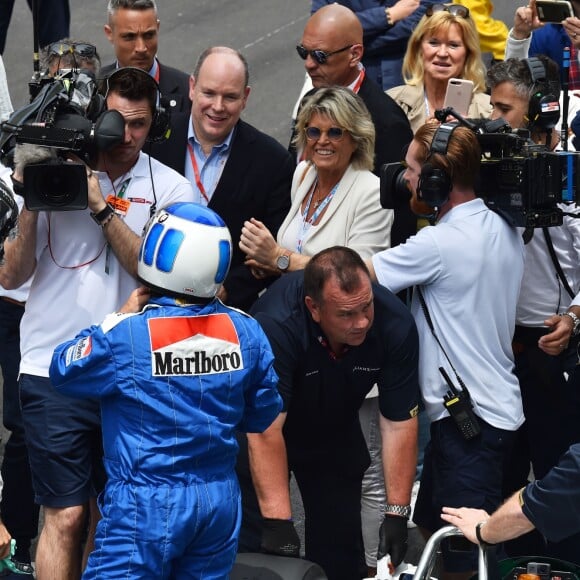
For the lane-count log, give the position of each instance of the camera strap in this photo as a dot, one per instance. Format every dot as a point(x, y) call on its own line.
point(556, 262)
point(449, 382)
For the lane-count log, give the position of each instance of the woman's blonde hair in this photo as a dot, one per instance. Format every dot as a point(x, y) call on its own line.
point(474, 68)
point(349, 112)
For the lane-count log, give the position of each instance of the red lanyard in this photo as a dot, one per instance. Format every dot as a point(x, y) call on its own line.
point(358, 83)
point(196, 172)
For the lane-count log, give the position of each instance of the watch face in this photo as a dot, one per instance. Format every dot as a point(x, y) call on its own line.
point(283, 262)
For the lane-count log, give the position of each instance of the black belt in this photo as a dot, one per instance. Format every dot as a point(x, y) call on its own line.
point(12, 301)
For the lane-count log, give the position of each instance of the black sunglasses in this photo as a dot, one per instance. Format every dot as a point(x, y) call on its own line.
point(82, 49)
point(455, 9)
point(320, 56)
point(333, 134)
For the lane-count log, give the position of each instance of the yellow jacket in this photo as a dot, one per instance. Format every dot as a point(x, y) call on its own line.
point(492, 33)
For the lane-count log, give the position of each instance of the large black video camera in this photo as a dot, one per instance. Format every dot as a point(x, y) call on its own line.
point(66, 115)
point(521, 181)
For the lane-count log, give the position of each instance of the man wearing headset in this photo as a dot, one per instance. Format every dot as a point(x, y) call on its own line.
point(547, 323)
point(83, 265)
point(466, 271)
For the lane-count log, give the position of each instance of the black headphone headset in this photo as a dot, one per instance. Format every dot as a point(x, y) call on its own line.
point(435, 184)
point(544, 106)
point(160, 125)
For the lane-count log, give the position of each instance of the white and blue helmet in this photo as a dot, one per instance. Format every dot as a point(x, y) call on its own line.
point(186, 250)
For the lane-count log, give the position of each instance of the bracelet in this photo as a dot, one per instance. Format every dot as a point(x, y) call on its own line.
point(104, 216)
point(389, 19)
point(399, 510)
point(521, 496)
point(481, 541)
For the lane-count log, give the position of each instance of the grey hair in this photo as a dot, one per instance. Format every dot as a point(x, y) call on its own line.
point(349, 112)
point(70, 59)
point(517, 72)
point(115, 5)
point(28, 154)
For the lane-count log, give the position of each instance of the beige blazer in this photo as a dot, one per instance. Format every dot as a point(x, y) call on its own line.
point(411, 98)
point(354, 217)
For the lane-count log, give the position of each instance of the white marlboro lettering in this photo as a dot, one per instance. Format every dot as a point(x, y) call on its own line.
point(200, 363)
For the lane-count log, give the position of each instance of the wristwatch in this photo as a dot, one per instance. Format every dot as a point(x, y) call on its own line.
point(481, 541)
point(399, 510)
point(575, 321)
point(283, 261)
point(102, 218)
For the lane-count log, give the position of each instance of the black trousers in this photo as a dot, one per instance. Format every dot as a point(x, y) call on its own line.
point(333, 529)
point(550, 387)
point(19, 512)
point(53, 21)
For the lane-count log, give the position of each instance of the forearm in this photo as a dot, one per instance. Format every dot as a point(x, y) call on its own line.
point(124, 243)
point(399, 454)
point(504, 524)
point(507, 522)
point(269, 468)
point(20, 251)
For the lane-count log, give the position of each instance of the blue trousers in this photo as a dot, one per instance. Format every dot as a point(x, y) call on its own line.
point(174, 531)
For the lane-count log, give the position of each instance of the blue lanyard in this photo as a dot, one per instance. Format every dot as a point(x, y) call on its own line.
point(307, 223)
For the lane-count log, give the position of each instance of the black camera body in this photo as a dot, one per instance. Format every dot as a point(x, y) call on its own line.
point(66, 116)
point(521, 181)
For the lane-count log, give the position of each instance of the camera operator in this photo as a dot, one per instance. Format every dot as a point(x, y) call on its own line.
point(83, 265)
point(19, 511)
point(466, 270)
point(547, 324)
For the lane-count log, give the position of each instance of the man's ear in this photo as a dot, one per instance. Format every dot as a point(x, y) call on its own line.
point(356, 53)
point(313, 308)
point(108, 33)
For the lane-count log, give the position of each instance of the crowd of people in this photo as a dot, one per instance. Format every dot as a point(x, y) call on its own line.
point(227, 312)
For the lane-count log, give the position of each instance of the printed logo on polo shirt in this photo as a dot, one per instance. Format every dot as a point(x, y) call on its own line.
point(194, 345)
point(81, 349)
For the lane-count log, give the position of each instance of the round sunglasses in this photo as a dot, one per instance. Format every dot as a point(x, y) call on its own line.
point(333, 133)
point(82, 49)
point(320, 56)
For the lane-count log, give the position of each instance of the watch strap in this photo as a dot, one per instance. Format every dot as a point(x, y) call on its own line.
point(102, 218)
point(575, 322)
point(403, 511)
point(480, 539)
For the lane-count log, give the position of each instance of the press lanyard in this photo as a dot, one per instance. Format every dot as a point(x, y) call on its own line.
point(307, 223)
point(358, 83)
point(196, 173)
point(121, 207)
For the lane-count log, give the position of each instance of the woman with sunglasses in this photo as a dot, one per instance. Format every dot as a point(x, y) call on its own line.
point(444, 45)
point(335, 196)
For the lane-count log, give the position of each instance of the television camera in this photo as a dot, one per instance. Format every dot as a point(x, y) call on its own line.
point(66, 116)
point(521, 181)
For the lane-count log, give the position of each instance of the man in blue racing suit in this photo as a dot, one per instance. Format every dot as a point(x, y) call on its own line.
point(177, 372)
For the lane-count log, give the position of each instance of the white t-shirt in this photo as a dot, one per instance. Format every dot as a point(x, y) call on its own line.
point(542, 293)
point(78, 280)
point(469, 267)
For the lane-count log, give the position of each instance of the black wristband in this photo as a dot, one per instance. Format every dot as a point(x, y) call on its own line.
point(481, 541)
point(103, 214)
